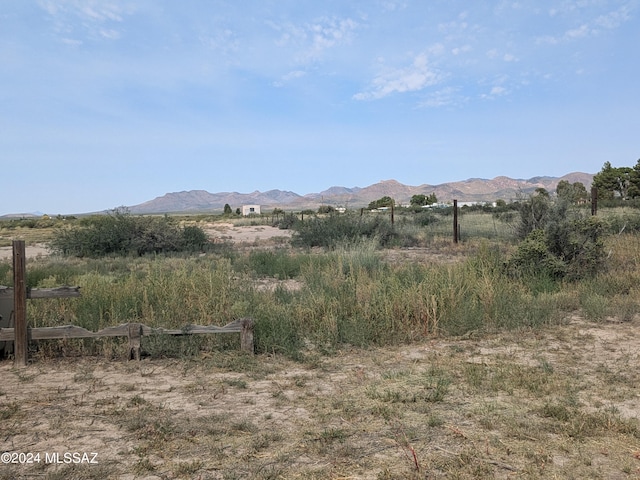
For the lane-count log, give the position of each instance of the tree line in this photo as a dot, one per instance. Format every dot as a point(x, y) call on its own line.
point(618, 182)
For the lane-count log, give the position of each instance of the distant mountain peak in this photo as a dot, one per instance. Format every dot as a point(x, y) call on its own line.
point(470, 190)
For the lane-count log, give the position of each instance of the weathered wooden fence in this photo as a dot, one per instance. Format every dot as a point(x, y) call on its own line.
point(21, 333)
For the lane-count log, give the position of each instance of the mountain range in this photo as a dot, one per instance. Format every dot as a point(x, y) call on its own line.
point(471, 190)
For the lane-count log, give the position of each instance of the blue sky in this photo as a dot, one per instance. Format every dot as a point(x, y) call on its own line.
point(106, 102)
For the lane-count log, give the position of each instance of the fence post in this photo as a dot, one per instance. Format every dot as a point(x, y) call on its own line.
point(21, 340)
point(455, 221)
point(246, 335)
point(594, 200)
point(135, 333)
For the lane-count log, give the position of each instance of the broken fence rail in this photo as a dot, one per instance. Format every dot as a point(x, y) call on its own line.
point(134, 331)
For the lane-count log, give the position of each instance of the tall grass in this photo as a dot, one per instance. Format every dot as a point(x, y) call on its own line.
point(348, 295)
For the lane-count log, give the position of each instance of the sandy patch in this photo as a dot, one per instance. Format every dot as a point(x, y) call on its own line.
point(31, 251)
point(245, 234)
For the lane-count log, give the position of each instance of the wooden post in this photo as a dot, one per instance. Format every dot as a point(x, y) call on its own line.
point(392, 216)
point(135, 333)
point(455, 221)
point(594, 200)
point(246, 335)
point(21, 341)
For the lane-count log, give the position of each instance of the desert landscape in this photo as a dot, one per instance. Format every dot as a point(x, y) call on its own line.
point(346, 240)
point(553, 395)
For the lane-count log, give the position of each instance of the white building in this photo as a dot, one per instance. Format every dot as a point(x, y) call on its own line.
point(250, 210)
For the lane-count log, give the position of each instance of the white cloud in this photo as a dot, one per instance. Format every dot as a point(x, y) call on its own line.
point(415, 77)
point(99, 11)
point(548, 39)
point(460, 50)
point(71, 42)
point(295, 74)
point(496, 91)
point(506, 57)
point(93, 18)
point(223, 40)
point(91, 10)
point(110, 34)
point(589, 26)
point(444, 97)
point(331, 32)
point(455, 26)
point(581, 31)
point(391, 6)
point(314, 38)
point(614, 19)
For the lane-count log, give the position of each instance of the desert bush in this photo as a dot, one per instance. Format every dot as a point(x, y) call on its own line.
point(339, 229)
point(534, 214)
point(124, 234)
point(424, 218)
point(533, 258)
point(288, 220)
point(557, 241)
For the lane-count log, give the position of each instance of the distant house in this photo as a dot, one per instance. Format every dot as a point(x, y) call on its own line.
point(250, 210)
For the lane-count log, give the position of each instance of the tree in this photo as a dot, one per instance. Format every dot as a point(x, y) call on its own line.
point(614, 182)
point(634, 178)
point(580, 194)
point(326, 209)
point(227, 209)
point(421, 200)
point(385, 201)
point(418, 200)
point(572, 193)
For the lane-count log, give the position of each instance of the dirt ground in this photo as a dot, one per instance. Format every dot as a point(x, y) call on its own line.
point(561, 402)
point(245, 234)
point(31, 251)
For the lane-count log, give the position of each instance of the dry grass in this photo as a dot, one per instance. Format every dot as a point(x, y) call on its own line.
point(557, 401)
point(561, 402)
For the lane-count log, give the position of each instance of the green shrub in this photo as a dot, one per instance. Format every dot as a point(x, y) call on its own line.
point(341, 229)
point(123, 234)
point(288, 220)
point(194, 238)
point(533, 258)
point(557, 242)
